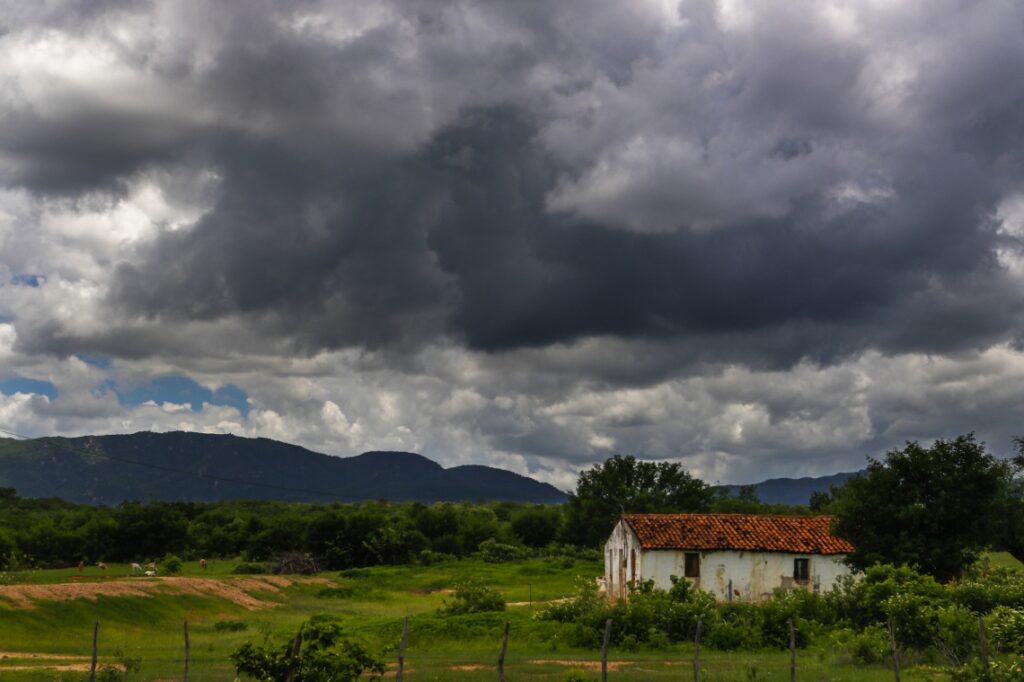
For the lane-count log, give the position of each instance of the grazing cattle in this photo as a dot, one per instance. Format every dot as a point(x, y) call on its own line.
point(81, 566)
point(136, 568)
point(102, 566)
point(202, 564)
point(150, 574)
point(151, 566)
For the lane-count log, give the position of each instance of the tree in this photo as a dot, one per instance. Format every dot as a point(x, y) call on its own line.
point(932, 508)
point(627, 485)
point(536, 527)
point(320, 653)
point(1011, 529)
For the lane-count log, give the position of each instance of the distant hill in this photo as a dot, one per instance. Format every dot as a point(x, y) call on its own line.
point(794, 490)
point(181, 466)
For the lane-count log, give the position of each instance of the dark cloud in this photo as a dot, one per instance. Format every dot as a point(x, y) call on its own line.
point(750, 197)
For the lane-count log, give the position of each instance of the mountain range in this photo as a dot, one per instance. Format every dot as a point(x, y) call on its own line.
point(794, 490)
point(180, 466)
point(194, 466)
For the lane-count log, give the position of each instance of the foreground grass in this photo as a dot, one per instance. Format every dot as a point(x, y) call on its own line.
point(372, 603)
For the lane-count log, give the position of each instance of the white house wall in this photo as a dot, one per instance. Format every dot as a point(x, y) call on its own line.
point(622, 544)
point(754, 575)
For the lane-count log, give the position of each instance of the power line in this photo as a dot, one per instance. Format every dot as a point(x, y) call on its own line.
point(159, 467)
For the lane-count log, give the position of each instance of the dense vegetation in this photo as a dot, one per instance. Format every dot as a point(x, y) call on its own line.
point(53, 533)
point(933, 622)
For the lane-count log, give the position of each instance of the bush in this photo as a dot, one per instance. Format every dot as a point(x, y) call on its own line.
point(983, 589)
point(292, 563)
point(471, 597)
point(1006, 629)
point(576, 675)
point(326, 655)
point(1011, 670)
point(171, 564)
point(496, 552)
point(250, 568)
point(230, 626)
point(871, 646)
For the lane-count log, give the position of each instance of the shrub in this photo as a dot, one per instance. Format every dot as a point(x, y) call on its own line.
point(250, 568)
point(729, 636)
point(326, 655)
point(471, 597)
point(429, 557)
point(871, 646)
point(955, 633)
point(861, 601)
point(999, 671)
point(1006, 629)
point(576, 675)
point(496, 552)
point(301, 563)
point(230, 626)
point(983, 589)
point(171, 564)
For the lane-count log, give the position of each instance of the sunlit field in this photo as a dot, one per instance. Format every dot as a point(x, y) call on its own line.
point(47, 618)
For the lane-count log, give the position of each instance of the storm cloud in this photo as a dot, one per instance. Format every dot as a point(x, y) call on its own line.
point(508, 207)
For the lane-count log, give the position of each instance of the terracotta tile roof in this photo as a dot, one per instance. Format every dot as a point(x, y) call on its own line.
point(747, 532)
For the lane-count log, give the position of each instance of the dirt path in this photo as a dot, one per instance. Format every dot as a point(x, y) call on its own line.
point(237, 590)
point(590, 666)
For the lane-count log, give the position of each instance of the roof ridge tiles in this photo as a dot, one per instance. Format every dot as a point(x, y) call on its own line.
point(744, 532)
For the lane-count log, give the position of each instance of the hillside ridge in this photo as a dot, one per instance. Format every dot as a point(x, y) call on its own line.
point(188, 466)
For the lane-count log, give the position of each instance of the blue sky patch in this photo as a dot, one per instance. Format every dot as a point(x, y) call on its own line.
point(101, 361)
point(184, 391)
point(23, 385)
point(28, 280)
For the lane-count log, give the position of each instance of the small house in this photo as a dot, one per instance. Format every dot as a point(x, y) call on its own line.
point(742, 557)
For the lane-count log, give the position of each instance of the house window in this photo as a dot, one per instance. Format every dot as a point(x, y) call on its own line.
point(632, 564)
point(691, 567)
point(801, 570)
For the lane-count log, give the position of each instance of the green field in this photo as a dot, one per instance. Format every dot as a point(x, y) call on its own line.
point(371, 603)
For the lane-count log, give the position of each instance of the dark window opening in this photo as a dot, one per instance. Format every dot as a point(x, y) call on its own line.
point(801, 570)
point(692, 565)
point(632, 561)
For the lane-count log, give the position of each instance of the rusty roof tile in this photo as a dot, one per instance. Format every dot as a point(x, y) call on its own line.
point(746, 532)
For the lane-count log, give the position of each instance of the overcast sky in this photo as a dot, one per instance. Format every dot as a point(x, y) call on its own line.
point(761, 238)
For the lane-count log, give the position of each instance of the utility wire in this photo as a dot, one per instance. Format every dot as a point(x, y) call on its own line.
point(160, 467)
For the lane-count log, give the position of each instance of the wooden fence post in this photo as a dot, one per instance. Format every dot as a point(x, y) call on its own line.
point(983, 645)
point(895, 650)
point(296, 650)
point(501, 656)
point(604, 650)
point(184, 677)
point(696, 652)
point(95, 638)
point(401, 649)
point(792, 651)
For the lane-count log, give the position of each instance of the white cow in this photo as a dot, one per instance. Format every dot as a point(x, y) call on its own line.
point(136, 568)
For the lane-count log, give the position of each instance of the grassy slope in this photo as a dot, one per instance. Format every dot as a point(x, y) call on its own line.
point(377, 600)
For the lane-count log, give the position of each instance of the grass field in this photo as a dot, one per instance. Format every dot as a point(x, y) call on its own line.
point(46, 625)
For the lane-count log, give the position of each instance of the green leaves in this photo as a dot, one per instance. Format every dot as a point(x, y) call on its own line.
point(628, 485)
point(320, 653)
point(934, 508)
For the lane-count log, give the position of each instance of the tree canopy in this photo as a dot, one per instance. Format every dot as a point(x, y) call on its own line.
point(628, 485)
point(933, 508)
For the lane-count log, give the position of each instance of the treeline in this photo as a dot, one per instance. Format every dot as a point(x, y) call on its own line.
point(50, 533)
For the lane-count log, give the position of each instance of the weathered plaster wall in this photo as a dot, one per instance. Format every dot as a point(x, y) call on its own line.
point(754, 575)
point(621, 546)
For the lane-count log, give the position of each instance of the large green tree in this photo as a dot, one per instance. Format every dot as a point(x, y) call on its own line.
point(933, 508)
point(628, 485)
